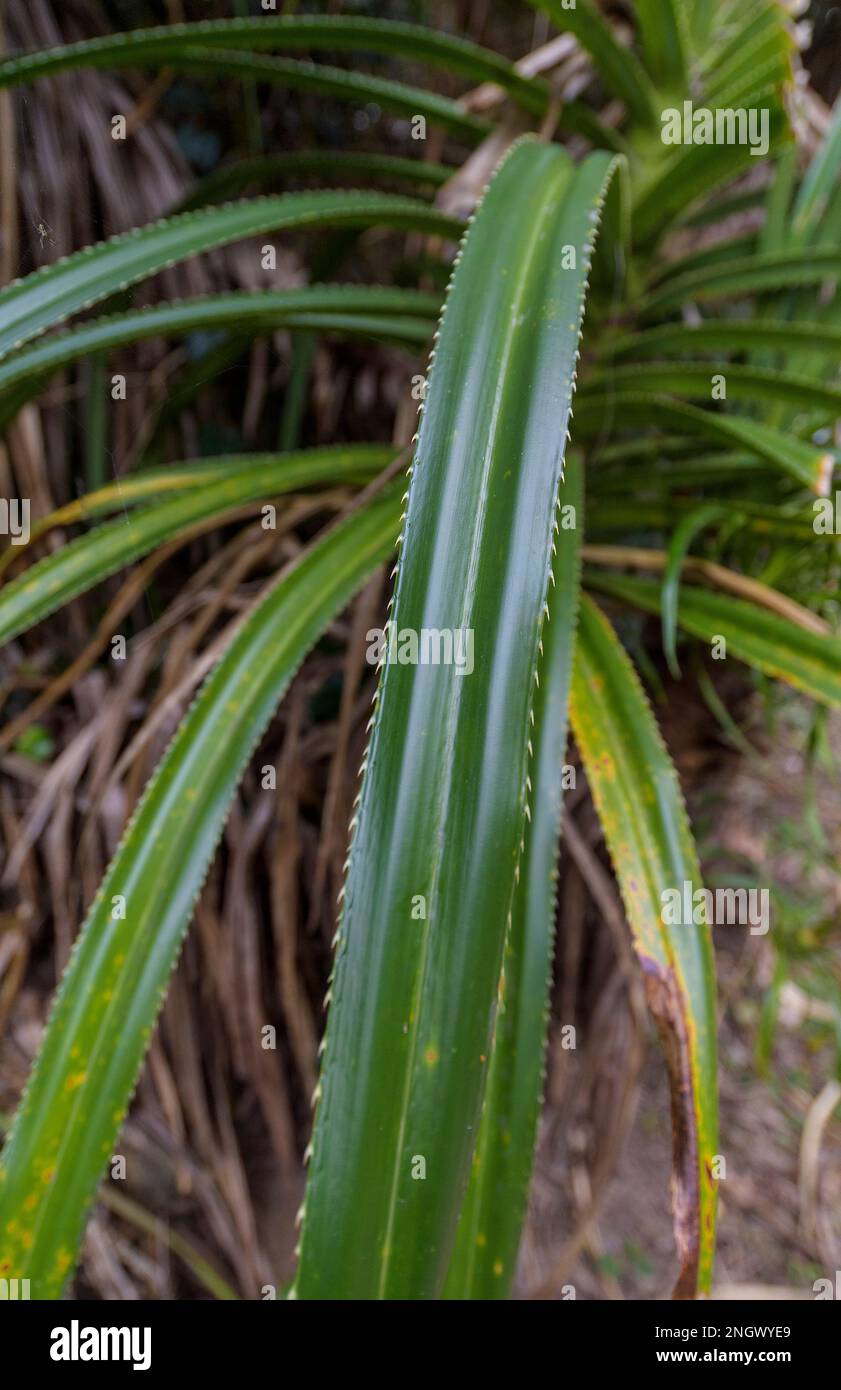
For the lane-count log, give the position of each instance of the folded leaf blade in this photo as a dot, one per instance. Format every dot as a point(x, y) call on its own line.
point(485, 1255)
point(441, 808)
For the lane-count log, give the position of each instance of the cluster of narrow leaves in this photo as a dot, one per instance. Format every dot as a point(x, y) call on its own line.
point(438, 1003)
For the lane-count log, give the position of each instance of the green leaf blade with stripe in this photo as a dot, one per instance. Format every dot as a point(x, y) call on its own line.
point(442, 803)
point(485, 1255)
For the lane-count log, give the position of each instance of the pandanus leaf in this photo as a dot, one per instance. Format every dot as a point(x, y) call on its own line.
point(638, 799)
point(112, 990)
point(437, 832)
point(485, 1255)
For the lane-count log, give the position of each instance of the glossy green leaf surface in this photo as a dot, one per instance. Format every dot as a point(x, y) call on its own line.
point(156, 483)
point(485, 1255)
point(640, 806)
point(112, 990)
point(50, 295)
point(437, 831)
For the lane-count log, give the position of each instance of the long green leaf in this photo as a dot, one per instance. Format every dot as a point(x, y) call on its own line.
point(804, 462)
point(441, 807)
point(685, 532)
point(773, 234)
point(720, 207)
point(109, 998)
point(747, 275)
point(820, 181)
point(819, 339)
point(725, 248)
point(336, 32)
point(612, 512)
point(738, 27)
point(695, 170)
point(773, 644)
point(397, 315)
point(485, 1254)
point(265, 171)
point(621, 70)
point(763, 66)
point(156, 483)
point(693, 380)
point(638, 799)
point(80, 564)
point(662, 25)
point(323, 80)
point(50, 295)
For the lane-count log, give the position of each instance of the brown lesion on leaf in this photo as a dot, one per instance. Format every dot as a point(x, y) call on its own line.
point(663, 997)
